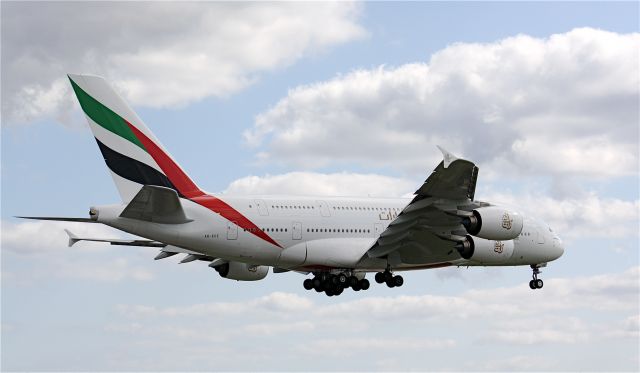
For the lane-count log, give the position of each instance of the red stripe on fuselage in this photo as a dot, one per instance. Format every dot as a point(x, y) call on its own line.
point(190, 190)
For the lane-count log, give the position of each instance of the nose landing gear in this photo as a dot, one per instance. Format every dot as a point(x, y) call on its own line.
point(536, 283)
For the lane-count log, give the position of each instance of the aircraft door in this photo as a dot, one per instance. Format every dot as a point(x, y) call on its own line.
point(377, 228)
point(262, 207)
point(232, 230)
point(324, 208)
point(540, 237)
point(297, 230)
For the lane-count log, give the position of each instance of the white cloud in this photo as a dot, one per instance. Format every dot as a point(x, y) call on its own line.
point(562, 105)
point(607, 292)
point(319, 184)
point(161, 54)
point(44, 245)
point(274, 303)
point(42, 237)
point(332, 347)
point(540, 329)
point(574, 310)
point(586, 215)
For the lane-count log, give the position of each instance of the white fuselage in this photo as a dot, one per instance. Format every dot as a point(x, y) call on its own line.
point(312, 233)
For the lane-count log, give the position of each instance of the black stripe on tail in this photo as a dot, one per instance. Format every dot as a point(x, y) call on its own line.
point(133, 170)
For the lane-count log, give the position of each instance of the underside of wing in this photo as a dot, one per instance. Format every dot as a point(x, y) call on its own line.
point(429, 228)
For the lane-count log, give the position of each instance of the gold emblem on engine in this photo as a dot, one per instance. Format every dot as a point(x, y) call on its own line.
point(498, 247)
point(506, 221)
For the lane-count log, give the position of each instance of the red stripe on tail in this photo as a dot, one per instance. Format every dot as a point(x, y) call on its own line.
point(190, 190)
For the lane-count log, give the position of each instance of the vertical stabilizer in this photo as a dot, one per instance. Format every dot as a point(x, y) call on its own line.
point(133, 154)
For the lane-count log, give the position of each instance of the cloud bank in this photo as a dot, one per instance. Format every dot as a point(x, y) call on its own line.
point(562, 105)
point(161, 54)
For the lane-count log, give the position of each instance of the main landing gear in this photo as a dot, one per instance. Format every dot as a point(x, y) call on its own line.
point(536, 283)
point(335, 284)
point(388, 278)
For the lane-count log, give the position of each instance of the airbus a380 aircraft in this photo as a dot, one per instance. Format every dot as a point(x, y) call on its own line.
point(337, 240)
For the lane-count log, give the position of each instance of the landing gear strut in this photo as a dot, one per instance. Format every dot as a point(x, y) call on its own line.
point(388, 278)
point(536, 283)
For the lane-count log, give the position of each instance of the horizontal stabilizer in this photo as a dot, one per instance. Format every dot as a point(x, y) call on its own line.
point(146, 243)
point(75, 220)
point(156, 204)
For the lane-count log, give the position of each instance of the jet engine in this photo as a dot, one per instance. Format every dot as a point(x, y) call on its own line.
point(242, 271)
point(485, 251)
point(493, 223)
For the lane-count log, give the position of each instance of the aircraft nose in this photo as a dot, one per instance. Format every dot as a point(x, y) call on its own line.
point(558, 248)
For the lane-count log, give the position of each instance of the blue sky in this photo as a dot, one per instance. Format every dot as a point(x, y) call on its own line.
point(347, 98)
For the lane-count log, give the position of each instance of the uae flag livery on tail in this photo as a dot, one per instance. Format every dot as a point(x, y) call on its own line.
point(133, 154)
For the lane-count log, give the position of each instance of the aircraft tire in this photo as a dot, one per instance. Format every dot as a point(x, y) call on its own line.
point(364, 284)
point(532, 284)
point(379, 277)
point(539, 284)
point(398, 281)
point(353, 280)
point(308, 284)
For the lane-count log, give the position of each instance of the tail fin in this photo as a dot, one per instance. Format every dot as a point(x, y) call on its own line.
point(133, 154)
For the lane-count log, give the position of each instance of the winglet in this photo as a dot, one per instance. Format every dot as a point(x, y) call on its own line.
point(448, 157)
point(72, 238)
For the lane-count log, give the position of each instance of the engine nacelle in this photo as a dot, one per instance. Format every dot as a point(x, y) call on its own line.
point(493, 223)
point(242, 271)
point(486, 251)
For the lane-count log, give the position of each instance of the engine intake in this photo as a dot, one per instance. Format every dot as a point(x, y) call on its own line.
point(493, 223)
point(242, 271)
point(485, 251)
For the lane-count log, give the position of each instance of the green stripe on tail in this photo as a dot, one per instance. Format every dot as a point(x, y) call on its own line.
point(104, 116)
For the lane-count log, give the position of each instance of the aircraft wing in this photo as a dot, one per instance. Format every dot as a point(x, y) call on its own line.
point(429, 227)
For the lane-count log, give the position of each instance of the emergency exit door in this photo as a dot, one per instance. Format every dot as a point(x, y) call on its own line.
point(232, 230)
point(297, 230)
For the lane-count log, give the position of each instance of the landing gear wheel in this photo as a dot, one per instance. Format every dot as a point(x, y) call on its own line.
point(398, 281)
point(387, 275)
point(536, 283)
point(342, 280)
point(390, 283)
point(338, 291)
point(308, 284)
point(356, 287)
point(379, 277)
point(364, 284)
point(353, 281)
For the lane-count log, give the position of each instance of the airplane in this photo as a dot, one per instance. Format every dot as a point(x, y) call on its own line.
point(336, 240)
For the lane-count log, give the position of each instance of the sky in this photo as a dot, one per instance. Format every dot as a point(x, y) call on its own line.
point(326, 99)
